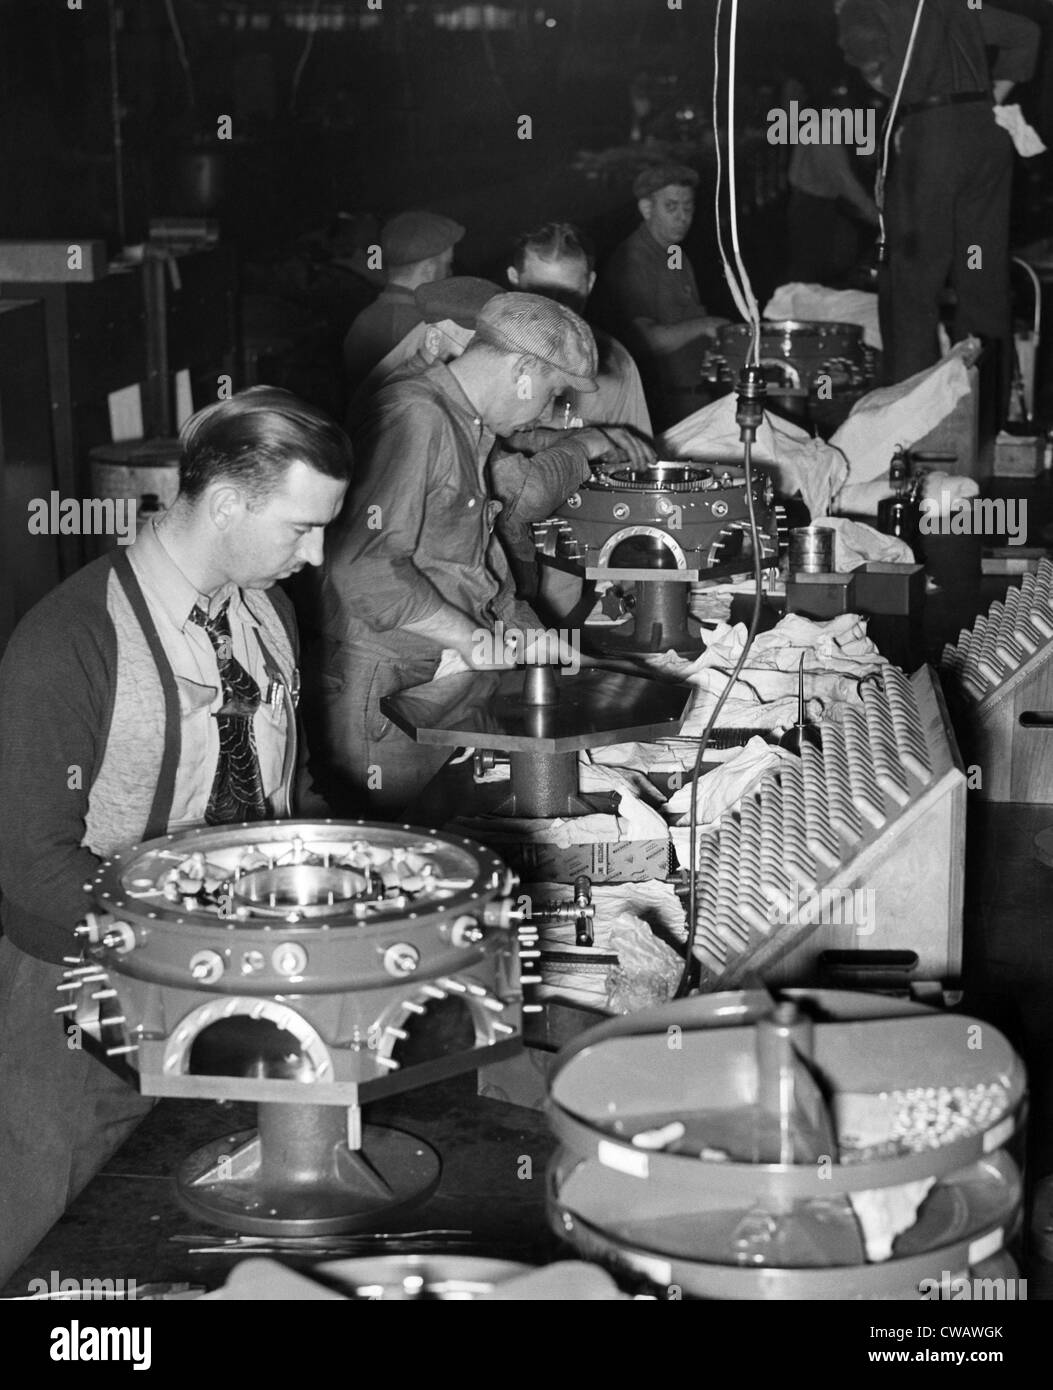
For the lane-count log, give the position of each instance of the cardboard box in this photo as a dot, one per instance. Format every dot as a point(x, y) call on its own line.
point(821, 595)
point(1018, 456)
point(617, 861)
point(884, 587)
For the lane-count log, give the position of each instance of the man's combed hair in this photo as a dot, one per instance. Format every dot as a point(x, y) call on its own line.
point(251, 439)
point(555, 241)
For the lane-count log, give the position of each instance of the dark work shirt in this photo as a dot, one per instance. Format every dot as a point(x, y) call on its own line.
point(950, 49)
point(638, 283)
point(378, 328)
point(416, 535)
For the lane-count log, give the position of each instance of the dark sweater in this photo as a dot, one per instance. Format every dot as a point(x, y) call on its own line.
point(74, 782)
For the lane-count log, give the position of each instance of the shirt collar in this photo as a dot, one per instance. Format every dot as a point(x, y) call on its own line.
point(440, 374)
point(173, 592)
point(398, 292)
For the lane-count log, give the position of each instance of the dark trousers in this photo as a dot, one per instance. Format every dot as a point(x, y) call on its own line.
point(947, 205)
point(62, 1112)
point(824, 242)
point(364, 764)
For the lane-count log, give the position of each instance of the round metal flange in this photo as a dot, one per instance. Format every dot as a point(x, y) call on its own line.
point(349, 1191)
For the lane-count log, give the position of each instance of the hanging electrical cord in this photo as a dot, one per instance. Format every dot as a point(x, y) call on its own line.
point(753, 357)
point(184, 61)
point(889, 126)
point(749, 415)
point(312, 30)
point(729, 276)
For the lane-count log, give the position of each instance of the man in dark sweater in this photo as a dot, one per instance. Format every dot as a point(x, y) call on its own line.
point(151, 692)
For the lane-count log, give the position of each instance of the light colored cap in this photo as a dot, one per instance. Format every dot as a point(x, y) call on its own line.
point(541, 328)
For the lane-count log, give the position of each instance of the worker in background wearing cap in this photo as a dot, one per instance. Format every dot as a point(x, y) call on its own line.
point(447, 310)
point(416, 248)
point(531, 473)
point(414, 569)
point(554, 262)
point(648, 294)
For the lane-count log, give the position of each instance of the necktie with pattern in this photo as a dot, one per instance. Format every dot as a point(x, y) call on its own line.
point(237, 790)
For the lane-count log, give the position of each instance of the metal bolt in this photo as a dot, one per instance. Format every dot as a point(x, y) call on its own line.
point(206, 966)
point(466, 931)
point(289, 959)
point(401, 959)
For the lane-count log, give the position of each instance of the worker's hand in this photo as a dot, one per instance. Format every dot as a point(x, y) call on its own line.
point(489, 651)
point(710, 324)
point(611, 443)
point(543, 647)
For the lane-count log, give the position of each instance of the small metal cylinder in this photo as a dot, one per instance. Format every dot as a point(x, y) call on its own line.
point(541, 685)
point(812, 550)
point(544, 784)
point(660, 613)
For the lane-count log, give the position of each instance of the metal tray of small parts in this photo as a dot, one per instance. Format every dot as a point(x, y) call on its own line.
point(964, 1220)
point(696, 1058)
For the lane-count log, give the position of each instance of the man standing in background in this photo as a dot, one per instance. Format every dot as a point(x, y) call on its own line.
point(416, 248)
point(948, 189)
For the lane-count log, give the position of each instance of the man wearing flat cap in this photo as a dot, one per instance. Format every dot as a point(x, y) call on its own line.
point(414, 572)
point(448, 310)
point(648, 294)
point(416, 248)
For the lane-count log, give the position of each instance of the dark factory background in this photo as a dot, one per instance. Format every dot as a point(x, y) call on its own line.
point(234, 161)
point(341, 115)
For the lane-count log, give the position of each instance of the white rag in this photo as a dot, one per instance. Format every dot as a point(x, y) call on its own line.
point(899, 415)
point(799, 463)
point(635, 819)
point(817, 303)
point(855, 543)
point(726, 786)
point(837, 644)
point(630, 920)
point(1025, 138)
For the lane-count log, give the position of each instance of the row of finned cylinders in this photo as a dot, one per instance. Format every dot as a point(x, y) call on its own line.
point(1000, 642)
point(766, 863)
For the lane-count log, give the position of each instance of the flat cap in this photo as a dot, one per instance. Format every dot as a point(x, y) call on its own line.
point(541, 328)
point(414, 236)
point(459, 298)
point(649, 181)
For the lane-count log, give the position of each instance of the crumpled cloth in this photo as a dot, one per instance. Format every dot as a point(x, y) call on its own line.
point(635, 819)
point(799, 463)
point(798, 300)
point(726, 785)
point(944, 492)
point(837, 655)
point(451, 663)
point(855, 543)
point(900, 414)
point(837, 644)
point(630, 920)
point(1026, 140)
